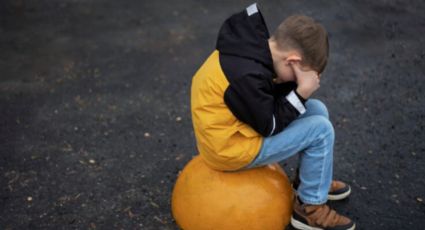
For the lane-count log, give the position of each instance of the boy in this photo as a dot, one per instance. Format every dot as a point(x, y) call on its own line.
point(250, 108)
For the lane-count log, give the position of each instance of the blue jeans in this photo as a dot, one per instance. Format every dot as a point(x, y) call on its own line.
point(311, 135)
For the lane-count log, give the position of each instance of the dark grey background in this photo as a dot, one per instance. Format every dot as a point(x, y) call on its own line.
point(82, 82)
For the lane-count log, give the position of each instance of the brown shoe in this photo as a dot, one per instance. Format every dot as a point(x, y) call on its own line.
point(339, 190)
point(318, 217)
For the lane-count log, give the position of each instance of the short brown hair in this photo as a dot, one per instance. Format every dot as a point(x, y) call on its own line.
point(308, 37)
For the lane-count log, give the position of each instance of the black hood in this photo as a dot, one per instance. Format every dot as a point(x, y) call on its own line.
point(245, 34)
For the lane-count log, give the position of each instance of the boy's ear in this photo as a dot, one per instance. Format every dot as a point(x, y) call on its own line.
point(293, 58)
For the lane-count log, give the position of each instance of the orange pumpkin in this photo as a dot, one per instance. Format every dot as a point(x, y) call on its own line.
point(204, 198)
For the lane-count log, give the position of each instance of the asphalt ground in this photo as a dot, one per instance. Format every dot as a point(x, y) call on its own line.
point(95, 118)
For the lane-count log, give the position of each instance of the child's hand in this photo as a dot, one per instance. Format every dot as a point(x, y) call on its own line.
point(308, 81)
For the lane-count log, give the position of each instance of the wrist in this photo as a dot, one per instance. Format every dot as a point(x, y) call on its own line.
point(303, 93)
point(302, 99)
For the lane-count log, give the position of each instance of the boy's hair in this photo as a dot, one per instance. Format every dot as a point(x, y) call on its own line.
point(308, 37)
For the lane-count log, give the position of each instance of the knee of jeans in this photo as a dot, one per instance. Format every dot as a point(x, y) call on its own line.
point(323, 126)
point(318, 106)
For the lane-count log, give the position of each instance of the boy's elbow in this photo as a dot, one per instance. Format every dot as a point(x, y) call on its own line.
point(267, 130)
point(265, 133)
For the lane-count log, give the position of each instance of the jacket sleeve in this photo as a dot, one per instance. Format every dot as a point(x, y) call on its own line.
point(283, 89)
point(253, 100)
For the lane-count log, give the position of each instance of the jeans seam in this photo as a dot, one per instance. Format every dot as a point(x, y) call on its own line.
point(321, 138)
point(321, 173)
point(313, 202)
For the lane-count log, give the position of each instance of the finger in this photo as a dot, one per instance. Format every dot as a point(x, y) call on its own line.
point(295, 66)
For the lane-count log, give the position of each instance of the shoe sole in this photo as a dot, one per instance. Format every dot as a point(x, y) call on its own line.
point(340, 196)
point(301, 226)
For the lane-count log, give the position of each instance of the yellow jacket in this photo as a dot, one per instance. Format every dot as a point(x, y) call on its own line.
point(223, 141)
